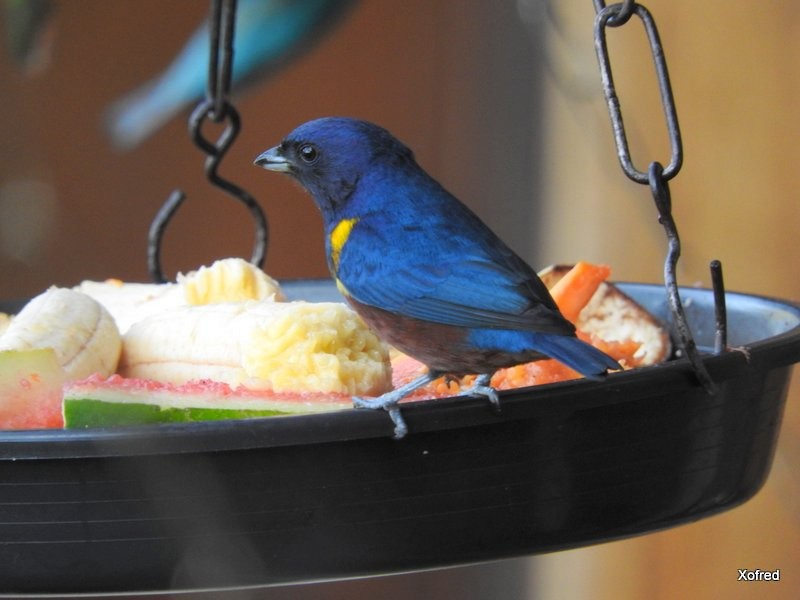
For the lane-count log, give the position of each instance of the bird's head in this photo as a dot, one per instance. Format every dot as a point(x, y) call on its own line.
point(329, 157)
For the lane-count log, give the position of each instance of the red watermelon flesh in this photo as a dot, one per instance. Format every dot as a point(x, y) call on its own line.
point(115, 401)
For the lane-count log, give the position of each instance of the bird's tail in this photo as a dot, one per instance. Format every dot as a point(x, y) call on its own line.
point(133, 118)
point(578, 355)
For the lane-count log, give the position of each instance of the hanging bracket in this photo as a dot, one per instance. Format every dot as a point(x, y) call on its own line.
point(216, 108)
point(657, 176)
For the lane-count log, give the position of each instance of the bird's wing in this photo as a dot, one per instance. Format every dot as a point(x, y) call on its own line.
point(445, 281)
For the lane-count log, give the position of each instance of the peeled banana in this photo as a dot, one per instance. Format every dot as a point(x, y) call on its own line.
point(225, 280)
point(280, 346)
point(80, 331)
point(219, 323)
point(229, 280)
point(131, 302)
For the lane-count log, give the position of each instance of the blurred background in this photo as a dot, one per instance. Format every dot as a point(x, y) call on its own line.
point(501, 102)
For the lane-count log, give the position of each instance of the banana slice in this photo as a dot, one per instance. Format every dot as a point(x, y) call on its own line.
point(225, 280)
point(80, 331)
point(5, 321)
point(229, 280)
point(280, 346)
point(130, 302)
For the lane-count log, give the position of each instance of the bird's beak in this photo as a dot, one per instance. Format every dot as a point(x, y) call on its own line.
point(273, 160)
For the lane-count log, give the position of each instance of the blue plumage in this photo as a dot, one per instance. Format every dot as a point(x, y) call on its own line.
point(267, 34)
point(418, 265)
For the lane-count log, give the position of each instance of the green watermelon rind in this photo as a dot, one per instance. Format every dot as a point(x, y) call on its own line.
point(88, 412)
point(117, 401)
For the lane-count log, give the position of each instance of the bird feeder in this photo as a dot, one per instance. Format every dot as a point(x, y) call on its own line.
point(328, 496)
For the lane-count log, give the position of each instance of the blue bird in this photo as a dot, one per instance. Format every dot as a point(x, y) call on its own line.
point(267, 33)
point(420, 268)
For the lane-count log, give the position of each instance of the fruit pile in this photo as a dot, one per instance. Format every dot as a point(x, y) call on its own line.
point(222, 342)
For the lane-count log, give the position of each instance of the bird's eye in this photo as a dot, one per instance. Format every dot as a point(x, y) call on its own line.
point(308, 153)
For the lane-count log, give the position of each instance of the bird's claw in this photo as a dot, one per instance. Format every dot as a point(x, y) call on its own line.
point(481, 389)
point(371, 403)
point(400, 427)
point(485, 391)
point(390, 406)
point(390, 400)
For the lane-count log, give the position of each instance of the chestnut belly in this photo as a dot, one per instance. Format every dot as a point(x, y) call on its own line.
point(443, 348)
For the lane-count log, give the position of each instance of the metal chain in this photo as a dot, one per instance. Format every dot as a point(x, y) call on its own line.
point(218, 84)
point(217, 108)
point(656, 175)
point(619, 13)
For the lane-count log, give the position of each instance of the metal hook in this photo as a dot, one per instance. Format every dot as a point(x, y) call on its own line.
point(217, 108)
point(663, 200)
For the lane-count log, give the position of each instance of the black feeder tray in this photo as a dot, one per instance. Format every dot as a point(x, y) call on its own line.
point(307, 498)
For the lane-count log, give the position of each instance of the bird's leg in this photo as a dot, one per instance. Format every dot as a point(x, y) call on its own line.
point(481, 388)
point(390, 400)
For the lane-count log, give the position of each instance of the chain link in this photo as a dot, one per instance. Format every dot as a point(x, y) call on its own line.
point(613, 16)
point(656, 175)
point(621, 13)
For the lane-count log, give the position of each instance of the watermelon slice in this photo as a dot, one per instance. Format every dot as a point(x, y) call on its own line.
point(30, 389)
point(116, 401)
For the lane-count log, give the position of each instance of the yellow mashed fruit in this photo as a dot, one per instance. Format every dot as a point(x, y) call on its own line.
point(280, 346)
point(317, 347)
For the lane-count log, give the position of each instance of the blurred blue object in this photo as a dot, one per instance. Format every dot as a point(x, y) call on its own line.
point(268, 33)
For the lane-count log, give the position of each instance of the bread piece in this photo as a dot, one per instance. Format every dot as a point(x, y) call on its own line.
point(614, 316)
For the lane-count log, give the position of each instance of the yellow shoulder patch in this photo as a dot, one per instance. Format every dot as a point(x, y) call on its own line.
point(339, 237)
point(342, 290)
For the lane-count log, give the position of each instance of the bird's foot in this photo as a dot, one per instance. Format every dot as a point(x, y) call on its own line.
point(390, 400)
point(481, 389)
point(387, 402)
